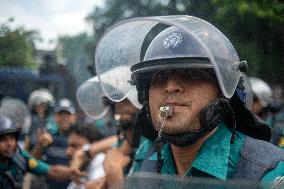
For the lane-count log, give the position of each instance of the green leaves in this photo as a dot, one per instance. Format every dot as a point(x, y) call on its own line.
point(16, 47)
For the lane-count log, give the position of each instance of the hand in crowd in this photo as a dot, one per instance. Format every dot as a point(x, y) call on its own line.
point(76, 175)
point(78, 159)
point(44, 138)
point(62, 172)
point(115, 162)
point(101, 146)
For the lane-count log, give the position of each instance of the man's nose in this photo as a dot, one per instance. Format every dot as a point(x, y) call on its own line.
point(173, 84)
point(10, 141)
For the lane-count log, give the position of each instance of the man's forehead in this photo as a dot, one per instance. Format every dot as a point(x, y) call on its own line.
point(76, 138)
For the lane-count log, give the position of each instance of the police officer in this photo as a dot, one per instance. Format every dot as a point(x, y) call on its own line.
point(100, 110)
point(189, 80)
point(40, 104)
point(124, 113)
point(82, 135)
point(262, 97)
point(264, 106)
point(14, 162)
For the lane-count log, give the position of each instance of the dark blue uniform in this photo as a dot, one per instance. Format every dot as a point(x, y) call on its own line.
point(55, 154)
point(12, 174)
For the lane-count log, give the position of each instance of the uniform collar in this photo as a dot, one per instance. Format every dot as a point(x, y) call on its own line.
point(213, 156)
point(3, 166)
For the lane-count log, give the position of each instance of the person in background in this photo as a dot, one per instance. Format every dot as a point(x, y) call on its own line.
point(119, 159)
point(17, 110)
point(52, 142)
point(40, 103)
point(268, 109)
point(15, 162)
point(262, 97)
point(82, 135)
point(124, 115)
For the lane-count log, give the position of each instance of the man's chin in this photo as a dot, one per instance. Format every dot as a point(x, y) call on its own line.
point(171, 132)
point(175, 131)
point(178, 126)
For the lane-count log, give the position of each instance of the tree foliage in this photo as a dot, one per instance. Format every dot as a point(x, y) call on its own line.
point(256, 28)
point(16, 47)
point(75, 53)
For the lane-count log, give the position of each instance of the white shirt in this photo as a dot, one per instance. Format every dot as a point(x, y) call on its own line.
point(95, 171)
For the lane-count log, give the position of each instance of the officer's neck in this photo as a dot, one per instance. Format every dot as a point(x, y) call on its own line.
point(184, 156)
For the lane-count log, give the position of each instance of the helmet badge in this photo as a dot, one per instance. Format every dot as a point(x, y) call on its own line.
point(173, 40)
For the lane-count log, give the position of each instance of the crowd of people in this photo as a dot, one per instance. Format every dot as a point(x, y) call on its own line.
point(171, 98)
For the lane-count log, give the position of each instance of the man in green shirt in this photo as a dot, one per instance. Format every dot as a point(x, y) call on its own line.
point(190, 81)
point(14, 162)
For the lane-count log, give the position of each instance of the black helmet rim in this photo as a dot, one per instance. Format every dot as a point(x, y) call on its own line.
point(169, 63)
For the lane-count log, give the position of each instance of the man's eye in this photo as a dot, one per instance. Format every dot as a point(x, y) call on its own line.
point(156, 80)
point(158, 77)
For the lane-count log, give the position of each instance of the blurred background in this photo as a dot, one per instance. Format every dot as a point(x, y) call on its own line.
point(49, 44)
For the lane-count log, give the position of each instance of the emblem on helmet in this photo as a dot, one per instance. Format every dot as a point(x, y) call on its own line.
point(173, 40)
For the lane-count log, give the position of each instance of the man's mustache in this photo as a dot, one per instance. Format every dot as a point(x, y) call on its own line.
point(173, 98)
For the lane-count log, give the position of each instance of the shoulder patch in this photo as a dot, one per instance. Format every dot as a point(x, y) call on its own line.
point(32, 163)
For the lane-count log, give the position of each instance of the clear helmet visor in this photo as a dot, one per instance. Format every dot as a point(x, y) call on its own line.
point(91, 97)
point(123, 46)
point(248, 92)
point(17, 111)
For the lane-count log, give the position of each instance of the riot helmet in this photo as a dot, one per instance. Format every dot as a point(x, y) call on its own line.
point(92, 100)
point(261, 90)
point(8, 127)
point(166, 42)
point(17, 111)
point(40, 96)
point(98, 107)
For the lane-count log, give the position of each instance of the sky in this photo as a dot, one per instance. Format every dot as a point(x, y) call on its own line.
point(50, 18)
